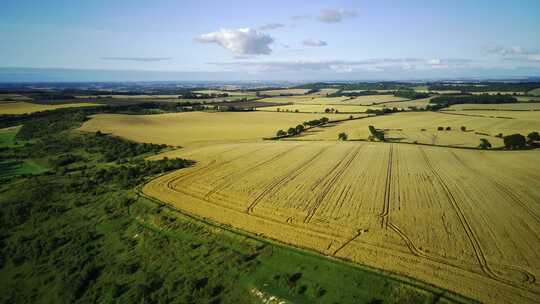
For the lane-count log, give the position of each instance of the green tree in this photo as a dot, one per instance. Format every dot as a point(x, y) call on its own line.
point(342, 136)
point(324, 120)
point(281, 133)
point(299, 129)
point(376, 133)
point(533, 136)
point(291, 131)
point(463, 128)
point(514, 141)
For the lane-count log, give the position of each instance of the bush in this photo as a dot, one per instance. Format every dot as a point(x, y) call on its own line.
point(448, 128)
point(342, 136)
point(484, 144)
point(533, 136)
point(281, 133)
point(440, 128)
point(463, 128)
point(291, 131)
point(299, 129)
point(514, 141)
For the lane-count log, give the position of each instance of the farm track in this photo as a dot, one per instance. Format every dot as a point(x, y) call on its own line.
point(501, 187)
point(472, 237)
point(229, 178)
point(387, 190)
point(336, 172)
point(284, 179)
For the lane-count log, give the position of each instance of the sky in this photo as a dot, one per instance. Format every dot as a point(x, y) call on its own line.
point(268, 40)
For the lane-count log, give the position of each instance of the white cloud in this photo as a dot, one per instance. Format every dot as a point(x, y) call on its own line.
point(271, 26)
point(335, 16)
point(301, 17)
point(314, 43)
point(242, 41)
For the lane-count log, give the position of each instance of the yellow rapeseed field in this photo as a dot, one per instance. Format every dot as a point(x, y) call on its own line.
point(465, 220)
point(21, 107)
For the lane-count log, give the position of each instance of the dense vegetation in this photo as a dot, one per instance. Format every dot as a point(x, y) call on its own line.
point(445, 101)
point(410, 94)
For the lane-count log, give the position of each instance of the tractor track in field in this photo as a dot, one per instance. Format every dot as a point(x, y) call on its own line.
point(501, 187)
point(472, 237)
point(284, 179)
point(387, 190)
point(211, 165)
point(347, 242)
point(337, 171)
point(227, 179)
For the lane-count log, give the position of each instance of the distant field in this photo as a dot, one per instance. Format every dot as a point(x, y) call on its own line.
point(314, 108)
point(285, 91)
point(7, 136)
point(231, 93)
point(324, 92)
point(535, 92)
point(26, 107)
point(528, 98)
point(198, 127)
point(407, 127)
point(460, 219)
point(360, 100)
point(359, 91)
point(499, 92)
point(418, 103)
point(13, 97)
point(501, 106)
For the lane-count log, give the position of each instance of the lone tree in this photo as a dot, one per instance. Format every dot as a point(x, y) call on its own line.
point(448, 128)
point(281, 133)
point(514, 141)
point(463, 128)
point(484, 144)
point(299, 129)
point(291, 131)
point(376, 133)
point(342, 136)
point(440, 129)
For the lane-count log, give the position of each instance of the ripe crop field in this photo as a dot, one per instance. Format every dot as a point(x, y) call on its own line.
point(418, 103)
point(344, 100)
point(464, 220)
point(315, 108)
point(409, 126)
point(26, 107)
point(284, 91)
point(500, 106)
point(198, 127)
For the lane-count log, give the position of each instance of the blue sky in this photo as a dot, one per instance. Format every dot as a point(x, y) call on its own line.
point(289, 40)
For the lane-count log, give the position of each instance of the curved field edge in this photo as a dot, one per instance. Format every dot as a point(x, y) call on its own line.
point(440, 294)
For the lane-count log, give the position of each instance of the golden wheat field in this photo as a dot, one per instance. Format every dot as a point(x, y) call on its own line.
point(316, 108)
point(343, 100)
point(421, 127)
point(284, 92)
point(21, 107)
point(465, 220)
point(198, 128)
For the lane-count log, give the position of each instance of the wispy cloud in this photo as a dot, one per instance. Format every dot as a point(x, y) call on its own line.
point(314, 43)
point(516, 53)
point(270, 26)
point(242, 41)
point(301, 17)
point(345, 66)
point(335, 15)
point(141, 59)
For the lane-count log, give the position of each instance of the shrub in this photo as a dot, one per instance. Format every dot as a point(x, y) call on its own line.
point(484, 144)
point(448, 128)
point(281, 133)
point(440, 128)
point(342, 136)
point(351, 117)
point(533, 136)
point(514, 141)
point(299, 129)
point(463, 128)
point(291, 131)
point(324, 120)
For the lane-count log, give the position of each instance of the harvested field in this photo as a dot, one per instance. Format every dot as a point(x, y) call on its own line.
point(284, 92)
point(191, 128)
point(315, 108)
point(407, 127)
point(465, 220)
point(500, 106)
point(26, 107)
